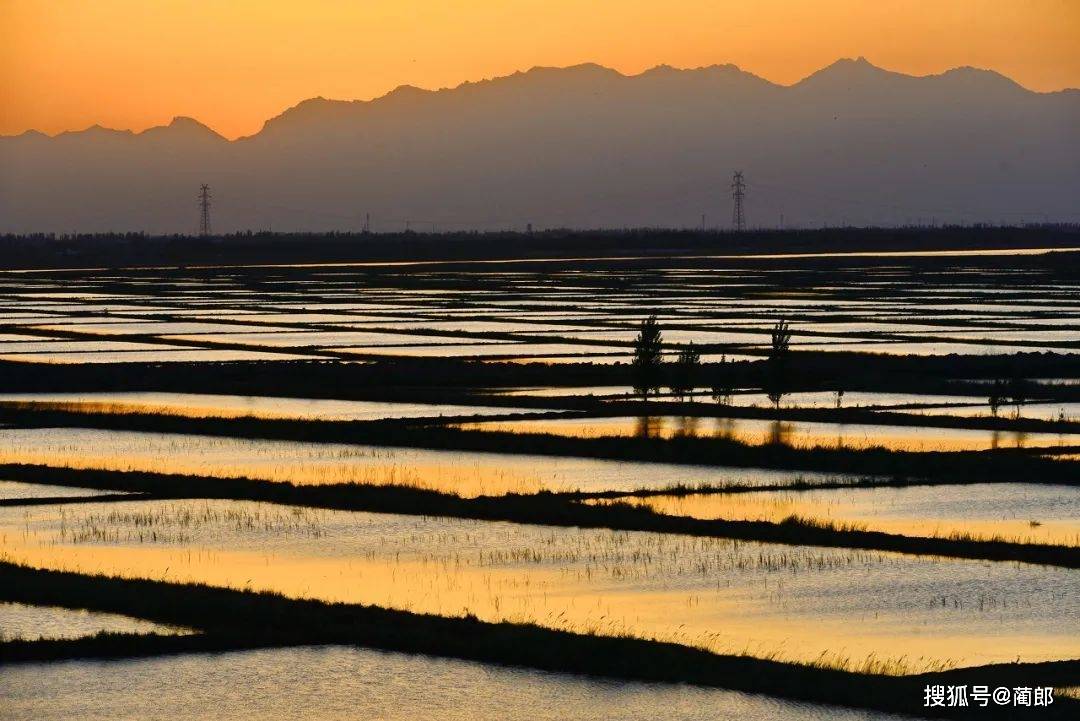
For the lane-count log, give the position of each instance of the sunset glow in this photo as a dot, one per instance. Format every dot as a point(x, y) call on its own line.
point(125, 64)
point(538, 359)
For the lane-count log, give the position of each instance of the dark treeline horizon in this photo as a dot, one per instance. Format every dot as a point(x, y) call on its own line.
point(49, 250)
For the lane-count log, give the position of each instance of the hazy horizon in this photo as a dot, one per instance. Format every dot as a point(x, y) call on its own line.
point(581, 147)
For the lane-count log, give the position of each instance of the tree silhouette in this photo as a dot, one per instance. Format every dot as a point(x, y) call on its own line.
point(775, 384)
point(723, 384)
point(681, 378)
point(1018, 391)
point(647, 366)
point(781, 341)
point(997, 398)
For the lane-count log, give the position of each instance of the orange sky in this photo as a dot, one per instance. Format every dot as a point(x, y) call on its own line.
point(66, 64)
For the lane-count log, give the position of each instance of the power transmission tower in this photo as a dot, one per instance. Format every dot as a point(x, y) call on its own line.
point(738, 190)
point(204, 208)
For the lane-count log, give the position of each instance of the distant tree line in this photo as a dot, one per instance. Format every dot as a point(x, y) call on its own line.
point(682, 377)
point(651, 371)
point(1016, 391)
point(261, 246)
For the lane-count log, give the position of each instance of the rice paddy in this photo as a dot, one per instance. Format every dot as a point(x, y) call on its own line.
point(866, 306)
point(790, 603)
point(1016, 512)
point(202, 405)
point(462, 473)
point(919, 398)
point(31, 623)
point(17, 491)
point(337, 683)
point(788, 433)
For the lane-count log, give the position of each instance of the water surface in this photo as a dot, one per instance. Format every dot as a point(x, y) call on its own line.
point(339, 683)
point(17, 490)
point(31, 623)
point(463, 473)
point(799, 603)
point(204, 405)
point(798, 434)
point(1025, 513)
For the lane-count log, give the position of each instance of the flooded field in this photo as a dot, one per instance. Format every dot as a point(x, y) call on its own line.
point(219, 356)
point(1043, 411)
point(18, 491)
point(337, 683)
point(29, 623)
point(797, 434)
point(144, 354)
point(797, 603)
point(200, 405)
point(855, 399)
point(605, 392)
point(1017, 512)
point(748, 398)
point(458, 472)
point(929, 404)
point(336, 314)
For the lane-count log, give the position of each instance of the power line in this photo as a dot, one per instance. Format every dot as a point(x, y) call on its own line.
point(204, 208)
point(738, 190)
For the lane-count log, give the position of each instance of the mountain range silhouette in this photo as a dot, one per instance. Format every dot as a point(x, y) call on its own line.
point(581, 147)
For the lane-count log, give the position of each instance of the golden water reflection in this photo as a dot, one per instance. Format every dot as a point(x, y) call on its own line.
point(1014, 512)
point(205, 405)
point(30, 623)
point(798, 434)
point(792, 602)
point(464, 473)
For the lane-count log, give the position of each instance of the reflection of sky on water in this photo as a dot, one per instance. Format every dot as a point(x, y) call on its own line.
point(800, 434)
point(799, 602)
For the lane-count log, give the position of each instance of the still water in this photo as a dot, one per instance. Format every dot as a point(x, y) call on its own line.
point(798, 434)
point(852, 608)
point(338, 683)
point(1025, 513)
point(459, 472)
point(30, 623)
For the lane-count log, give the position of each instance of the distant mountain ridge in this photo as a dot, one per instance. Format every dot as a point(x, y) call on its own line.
point(584, 146)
